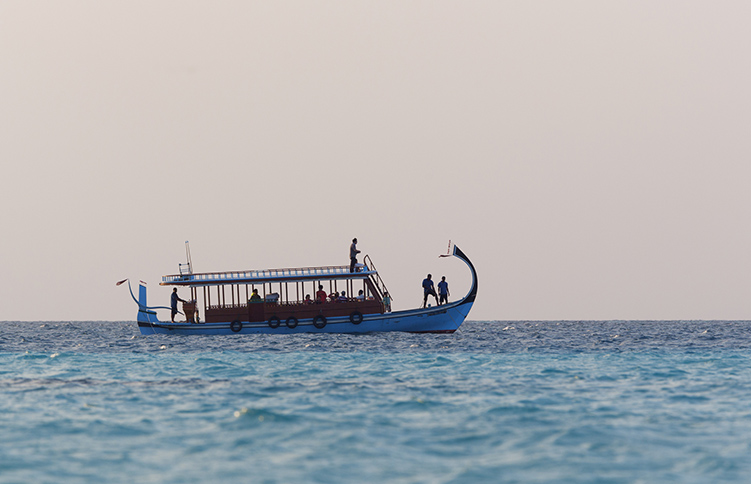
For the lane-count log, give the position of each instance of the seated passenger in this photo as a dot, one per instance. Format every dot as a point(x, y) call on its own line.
point(360, 295)
point(343, 297)
point(320, 295)
point(308, 300)
point(334, 296)
point(255, 298)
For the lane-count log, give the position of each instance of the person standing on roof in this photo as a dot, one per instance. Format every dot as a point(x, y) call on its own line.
point(173, 301)
point(353, 255)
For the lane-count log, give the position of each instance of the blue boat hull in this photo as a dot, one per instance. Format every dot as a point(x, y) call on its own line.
point(440, 319)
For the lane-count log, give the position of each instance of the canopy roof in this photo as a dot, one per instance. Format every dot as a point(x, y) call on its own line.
point(265, 276)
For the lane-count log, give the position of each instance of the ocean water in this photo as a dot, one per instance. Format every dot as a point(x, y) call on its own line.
point(496, 402)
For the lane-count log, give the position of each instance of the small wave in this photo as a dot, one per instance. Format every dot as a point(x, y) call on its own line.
point(261, 415)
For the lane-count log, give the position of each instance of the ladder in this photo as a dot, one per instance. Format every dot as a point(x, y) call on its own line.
point(375, 277)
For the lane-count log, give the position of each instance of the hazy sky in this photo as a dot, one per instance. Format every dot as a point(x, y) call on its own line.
point(592, 158)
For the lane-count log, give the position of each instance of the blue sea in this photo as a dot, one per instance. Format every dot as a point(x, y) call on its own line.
point(495, 402)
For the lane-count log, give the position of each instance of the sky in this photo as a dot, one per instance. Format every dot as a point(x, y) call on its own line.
point(591, 158)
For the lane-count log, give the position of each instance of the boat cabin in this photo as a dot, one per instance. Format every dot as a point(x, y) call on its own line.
point(282, 294)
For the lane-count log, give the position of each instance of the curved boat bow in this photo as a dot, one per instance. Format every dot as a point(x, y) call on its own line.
point(472, 294)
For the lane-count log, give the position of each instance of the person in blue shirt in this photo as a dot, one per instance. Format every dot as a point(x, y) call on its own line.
point(429, 289)
point(174, 300)
point(443, 291)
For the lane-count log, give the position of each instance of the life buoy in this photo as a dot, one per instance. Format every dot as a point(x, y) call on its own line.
point(319, 321)
point(355, 317)
point(236, 326)
point(274, 322)
point(291, 322)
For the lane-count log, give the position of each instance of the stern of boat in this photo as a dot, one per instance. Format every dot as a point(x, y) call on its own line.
point(145, 315)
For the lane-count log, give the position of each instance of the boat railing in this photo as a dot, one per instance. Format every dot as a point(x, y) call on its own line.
point(227, 306)
point(240, 305)
point(228, 276)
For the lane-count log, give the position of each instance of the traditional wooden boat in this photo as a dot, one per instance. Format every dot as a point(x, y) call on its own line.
point(229, 306)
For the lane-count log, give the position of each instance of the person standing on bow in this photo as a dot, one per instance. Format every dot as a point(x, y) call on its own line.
point(173, 301)
point(427, 285)
point(443, 291)
point(353, 255)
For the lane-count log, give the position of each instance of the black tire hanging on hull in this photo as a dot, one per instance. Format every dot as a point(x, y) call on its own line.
point(319, 321)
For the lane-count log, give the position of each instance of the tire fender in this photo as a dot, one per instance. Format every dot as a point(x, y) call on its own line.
point(355, 317)
point(319, 321)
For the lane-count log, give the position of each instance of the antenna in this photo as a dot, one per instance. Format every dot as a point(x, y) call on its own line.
point(187, 254)
point(188, 267)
